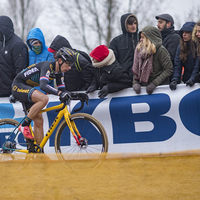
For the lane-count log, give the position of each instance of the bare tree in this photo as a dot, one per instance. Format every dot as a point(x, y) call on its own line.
point(89, 20)
point(24, 14)
point(94, 22)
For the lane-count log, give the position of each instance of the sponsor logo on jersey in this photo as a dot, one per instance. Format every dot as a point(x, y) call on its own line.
point(30, 71)
point(22, 90)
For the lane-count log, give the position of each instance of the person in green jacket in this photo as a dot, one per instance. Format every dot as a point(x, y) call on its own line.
point(152, 65)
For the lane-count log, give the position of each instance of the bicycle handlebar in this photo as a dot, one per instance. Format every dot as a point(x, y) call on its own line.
point(83, 97)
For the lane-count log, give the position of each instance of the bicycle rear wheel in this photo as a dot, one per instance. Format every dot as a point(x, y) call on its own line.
point(12, 159)
point(94, 143)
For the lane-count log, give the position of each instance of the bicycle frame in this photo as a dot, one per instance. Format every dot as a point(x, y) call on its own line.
point(64, 112)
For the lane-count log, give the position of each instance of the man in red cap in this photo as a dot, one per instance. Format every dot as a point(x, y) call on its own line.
point(109, 75)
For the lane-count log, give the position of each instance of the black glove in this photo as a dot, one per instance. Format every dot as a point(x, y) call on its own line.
point(64, 96)
point(91, 88)
point(150, 88)
point(103, 92)
point(190, 82)
point(172, 85)
point(137, 88)
point(12, 99)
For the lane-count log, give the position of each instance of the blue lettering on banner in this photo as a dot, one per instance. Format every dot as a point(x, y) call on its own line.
point(189, 110)
point(124, 119)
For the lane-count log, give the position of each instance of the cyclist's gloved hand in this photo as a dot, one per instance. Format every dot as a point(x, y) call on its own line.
point(190, 82)
point(91, 88)
point(12, 99)
point(172, 85)
point(150, 88)
point(103, 92)
point(64, 96)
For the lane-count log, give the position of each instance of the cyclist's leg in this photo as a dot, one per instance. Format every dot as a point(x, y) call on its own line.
point(40, 100)
point(38, 128)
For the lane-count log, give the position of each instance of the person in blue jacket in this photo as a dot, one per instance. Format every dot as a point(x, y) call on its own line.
point(186, 64)
point(38, 50)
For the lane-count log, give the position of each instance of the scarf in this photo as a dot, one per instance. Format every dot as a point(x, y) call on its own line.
point(37, 49)
point(142, 66)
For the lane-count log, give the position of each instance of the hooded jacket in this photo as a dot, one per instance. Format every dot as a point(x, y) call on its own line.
point(81, 74)
point(13, 55)
point(162, 64)
point(170, 41)
point(124, 45)
point(191, 65)
point(45, 55)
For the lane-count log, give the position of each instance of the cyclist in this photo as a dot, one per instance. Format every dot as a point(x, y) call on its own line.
point(39, 75)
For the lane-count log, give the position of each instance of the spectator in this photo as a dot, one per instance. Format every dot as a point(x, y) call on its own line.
point(13, 55)
point(186, 58)
point(170, 39)
point(124, 44)
point(38, 50)
point(152, 64)
point(80, 76)
point(196, 37)
point(109, 75)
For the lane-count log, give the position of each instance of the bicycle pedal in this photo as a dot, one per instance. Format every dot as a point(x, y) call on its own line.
point(32, 147)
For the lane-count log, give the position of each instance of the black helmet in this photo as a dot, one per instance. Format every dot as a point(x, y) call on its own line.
point(66, 54)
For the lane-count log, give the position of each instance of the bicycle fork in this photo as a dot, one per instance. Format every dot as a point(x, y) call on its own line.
point(72, 128)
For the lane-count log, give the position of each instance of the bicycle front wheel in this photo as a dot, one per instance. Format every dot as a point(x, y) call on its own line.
point(93, 147)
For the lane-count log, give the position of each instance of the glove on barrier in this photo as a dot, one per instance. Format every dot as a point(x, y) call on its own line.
point(91, 89)
point(137, 88)
point(190, 82)
point(150, 88)
point(172, 85)
point(103, 92)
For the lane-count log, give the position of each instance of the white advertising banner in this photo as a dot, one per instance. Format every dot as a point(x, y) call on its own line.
point(164, 122)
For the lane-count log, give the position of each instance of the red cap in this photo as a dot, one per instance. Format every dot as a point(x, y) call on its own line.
point(51, 50)
point(100, 52)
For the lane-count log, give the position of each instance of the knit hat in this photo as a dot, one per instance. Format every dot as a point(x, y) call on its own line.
point(100, 52)
point(166, 17)
point(33, 41)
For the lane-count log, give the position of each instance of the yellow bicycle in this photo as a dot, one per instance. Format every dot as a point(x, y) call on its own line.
point(80, 138)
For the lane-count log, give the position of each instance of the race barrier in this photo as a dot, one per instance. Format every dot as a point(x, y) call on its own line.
point(164, 122)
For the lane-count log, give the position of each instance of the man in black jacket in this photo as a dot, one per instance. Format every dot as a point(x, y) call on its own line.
point(124, 45)
point(169, 37)
point(13, 55)
point(80, 76)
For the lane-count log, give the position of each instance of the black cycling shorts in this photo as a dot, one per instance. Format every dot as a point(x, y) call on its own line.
point(23, 92)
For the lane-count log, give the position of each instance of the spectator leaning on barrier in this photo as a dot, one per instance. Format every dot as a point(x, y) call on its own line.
point(152, 64)
point(196, 37)
point(13, 55)
point(186, 65)
point(80, 76)
point(124, 45)
point(170, 39)
point(38, 50)
point(109, 75)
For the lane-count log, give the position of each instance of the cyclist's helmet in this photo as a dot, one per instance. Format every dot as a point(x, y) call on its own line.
point(66, 54)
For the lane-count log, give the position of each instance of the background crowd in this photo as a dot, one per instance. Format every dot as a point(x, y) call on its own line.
point(148, 58)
